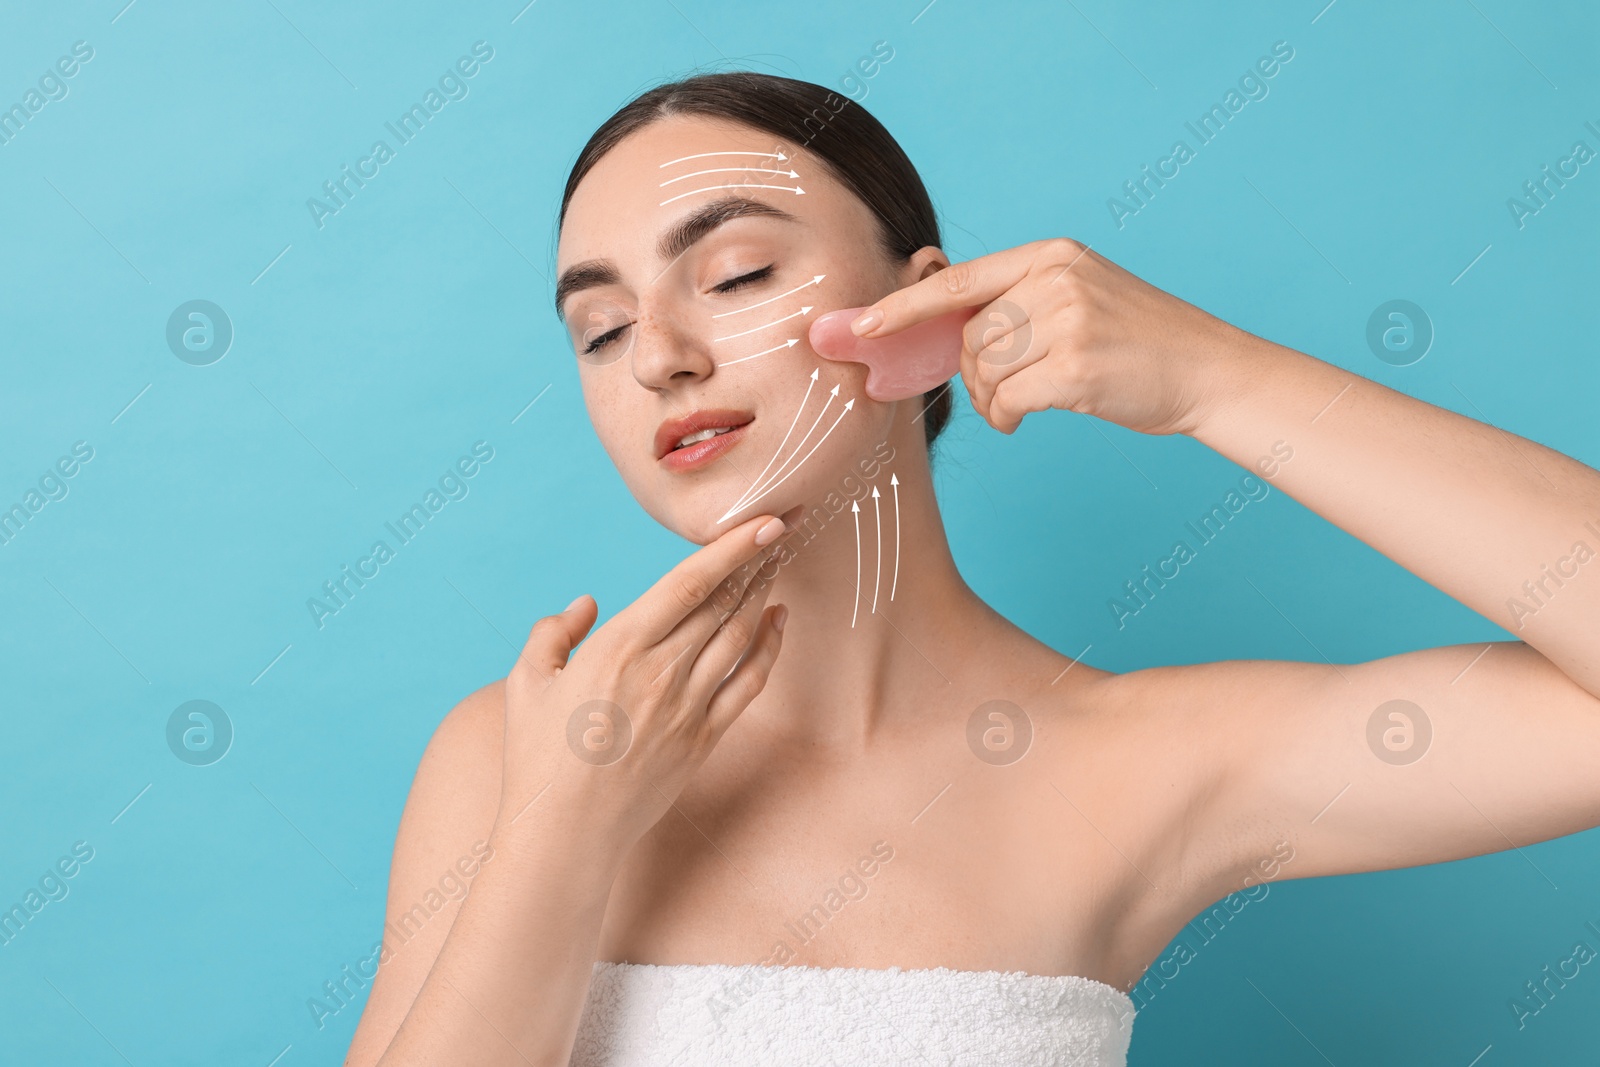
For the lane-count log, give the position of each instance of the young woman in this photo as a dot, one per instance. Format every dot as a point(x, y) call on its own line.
point(918, 835)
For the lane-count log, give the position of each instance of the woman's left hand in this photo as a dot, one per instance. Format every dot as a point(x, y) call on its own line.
point(1060, 326)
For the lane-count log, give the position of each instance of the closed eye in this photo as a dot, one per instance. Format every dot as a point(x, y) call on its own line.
point(743, 280)
point(604, 339)
point(729, 286)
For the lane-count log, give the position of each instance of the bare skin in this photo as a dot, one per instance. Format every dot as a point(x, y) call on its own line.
point(1143, 797)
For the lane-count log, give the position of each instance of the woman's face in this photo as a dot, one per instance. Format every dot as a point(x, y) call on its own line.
point(688, 307)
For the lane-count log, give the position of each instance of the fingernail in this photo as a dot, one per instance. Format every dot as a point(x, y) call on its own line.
point(769, 533)
point(780, 617)
point(574, 604)
point(867, 322)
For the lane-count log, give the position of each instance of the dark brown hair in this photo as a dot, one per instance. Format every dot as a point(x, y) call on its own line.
point(854, 146)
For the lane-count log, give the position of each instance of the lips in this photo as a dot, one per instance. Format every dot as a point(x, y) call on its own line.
point(695, 423)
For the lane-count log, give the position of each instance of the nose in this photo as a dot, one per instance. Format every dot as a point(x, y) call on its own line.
point(669, 349)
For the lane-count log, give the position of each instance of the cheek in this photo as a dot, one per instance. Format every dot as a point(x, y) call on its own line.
point(787, 401)
point(615, 423)
point(786, 388)
point(851, 377)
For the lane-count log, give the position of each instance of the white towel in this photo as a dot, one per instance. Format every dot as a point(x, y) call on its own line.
point(693, 1015)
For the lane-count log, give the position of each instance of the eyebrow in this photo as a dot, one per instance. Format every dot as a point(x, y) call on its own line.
point(674, 242)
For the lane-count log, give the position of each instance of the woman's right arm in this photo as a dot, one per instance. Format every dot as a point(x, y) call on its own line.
point(451, 808)
point(508, 982)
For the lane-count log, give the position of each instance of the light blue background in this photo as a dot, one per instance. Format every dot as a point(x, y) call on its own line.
point(376, 350)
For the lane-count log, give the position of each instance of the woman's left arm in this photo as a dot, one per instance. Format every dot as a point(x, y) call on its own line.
point(1505, 525)
point(1329, 757)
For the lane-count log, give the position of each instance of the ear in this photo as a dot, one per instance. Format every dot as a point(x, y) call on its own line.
point(925, 261)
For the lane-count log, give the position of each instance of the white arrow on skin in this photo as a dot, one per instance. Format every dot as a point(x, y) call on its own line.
point(848, 405)
point(795, 189)
point(779, 156)
point(774, 459)
point(760, 486)
point(877, 516)
point(770, 299)
point(790, 343)
point(803, 311)
point(894, 484)
point(856, 508)
point(747, 170)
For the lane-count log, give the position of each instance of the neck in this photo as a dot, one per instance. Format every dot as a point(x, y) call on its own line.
point(856, 659)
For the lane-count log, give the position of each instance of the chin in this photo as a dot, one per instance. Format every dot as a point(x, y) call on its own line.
point(693, 512)
point(697, 520)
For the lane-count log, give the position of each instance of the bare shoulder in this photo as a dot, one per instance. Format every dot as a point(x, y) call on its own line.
point(442, 843)
point(456, 790)
point(467, 741)
point(1179, 687)
point(1174, 714)
point(1162, 746)
point(1192, 726)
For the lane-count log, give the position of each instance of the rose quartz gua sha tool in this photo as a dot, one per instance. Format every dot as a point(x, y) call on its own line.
point(899, 365)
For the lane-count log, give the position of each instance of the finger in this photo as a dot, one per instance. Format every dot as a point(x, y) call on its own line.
point(696, 628)
point(750, 676)
point(686, 587)
point(733, 636)
point(553, 637)
point(998, 342)
point(689, 638)
point(969, 284)
point(1029, 390)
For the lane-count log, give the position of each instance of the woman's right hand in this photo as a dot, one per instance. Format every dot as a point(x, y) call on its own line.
point(612, 733)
